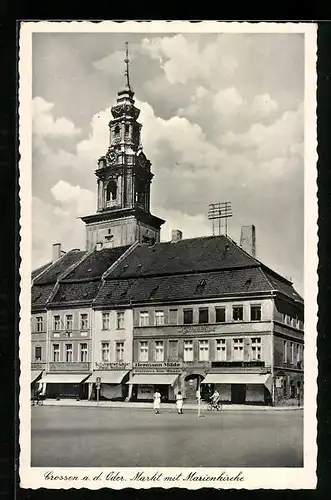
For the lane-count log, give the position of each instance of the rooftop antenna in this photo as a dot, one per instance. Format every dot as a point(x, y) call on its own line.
point(218, 212)
point(126, 60)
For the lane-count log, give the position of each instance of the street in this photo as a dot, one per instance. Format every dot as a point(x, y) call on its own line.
point(116, 437)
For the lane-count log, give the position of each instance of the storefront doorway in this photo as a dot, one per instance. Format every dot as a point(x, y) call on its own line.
point(192, 385)
point(238, 393)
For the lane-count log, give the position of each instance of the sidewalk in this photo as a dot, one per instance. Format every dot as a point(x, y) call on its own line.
point(167, 406)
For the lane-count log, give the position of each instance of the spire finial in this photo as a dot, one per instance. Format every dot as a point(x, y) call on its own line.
point(126, 60)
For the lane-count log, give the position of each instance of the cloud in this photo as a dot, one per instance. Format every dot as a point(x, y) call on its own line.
point(228, 101)
point(44, 123)
point(263, 105)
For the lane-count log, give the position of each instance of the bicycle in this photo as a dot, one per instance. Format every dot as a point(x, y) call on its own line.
point(214, 406)
point(39, 401)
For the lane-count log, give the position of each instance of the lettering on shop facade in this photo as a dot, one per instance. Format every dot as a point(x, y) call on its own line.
point(113, 366)
point(197, 329)
point(157, 367)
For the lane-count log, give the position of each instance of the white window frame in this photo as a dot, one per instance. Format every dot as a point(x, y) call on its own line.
point(143, 351)
point(39, 358)
point(204, 350)
point(285, 351)
point(256, 348)
point(257, 306)
point(291, 346)
point(239, 306)
point(84, 321)
point(105, 319)
point(220, 349)
point(56, 353)
point(143, 318)
point(69, 353)
point(40, 323)
point(159, 317)
point(188, 350)
point(238, 347)
point(69, 322)
point(173, 314)
point(159, 350)
point(105, 351)
point(56, 323)
point(119, 351)
point(120, 320)
point(83, 352)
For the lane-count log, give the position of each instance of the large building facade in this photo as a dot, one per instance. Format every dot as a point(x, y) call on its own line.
point(131, 314)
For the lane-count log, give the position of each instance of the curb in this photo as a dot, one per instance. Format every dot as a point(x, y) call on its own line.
point(226, 408)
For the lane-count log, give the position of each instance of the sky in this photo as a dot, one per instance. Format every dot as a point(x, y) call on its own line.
point(222, 118)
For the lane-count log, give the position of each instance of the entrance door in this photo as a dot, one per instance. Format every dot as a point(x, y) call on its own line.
point(238, 393)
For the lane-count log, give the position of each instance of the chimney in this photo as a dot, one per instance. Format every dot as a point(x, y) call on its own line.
point(56, 251)
point(99, 245)
point(247, 240)
point(176, 235)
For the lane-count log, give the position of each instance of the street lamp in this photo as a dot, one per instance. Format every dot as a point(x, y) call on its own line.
point(98, 384)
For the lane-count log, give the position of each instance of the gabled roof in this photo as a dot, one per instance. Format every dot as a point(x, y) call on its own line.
point(40, 295)
point(183, 287)
point(51, 274)
point(71, 293)
point(95, 264)
point(184, 257)
point(39, 270)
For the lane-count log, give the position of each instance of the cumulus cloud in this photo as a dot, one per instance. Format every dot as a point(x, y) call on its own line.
point(228, 101)
point(263, 105)
point(44, 123)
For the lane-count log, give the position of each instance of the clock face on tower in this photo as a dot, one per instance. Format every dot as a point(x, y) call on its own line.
point(111, 157)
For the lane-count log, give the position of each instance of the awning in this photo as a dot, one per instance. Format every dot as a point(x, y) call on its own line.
point(35, 374)
point(237, 378)
point(107, 376)
point(154, 379)
point(64, 378)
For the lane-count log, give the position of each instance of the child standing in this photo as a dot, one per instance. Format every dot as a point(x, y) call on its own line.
point(157, 401)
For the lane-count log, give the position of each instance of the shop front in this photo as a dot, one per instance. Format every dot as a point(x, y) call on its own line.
point(35, 384)
point(65, 385)
point(288, 387)
point(111, 378)
point(240, 388)
point(147, 377)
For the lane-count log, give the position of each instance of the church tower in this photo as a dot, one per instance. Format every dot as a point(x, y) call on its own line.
point(123, 182)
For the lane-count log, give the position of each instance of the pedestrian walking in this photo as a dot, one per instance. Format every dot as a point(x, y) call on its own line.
point(157, 401)
point(179, 402)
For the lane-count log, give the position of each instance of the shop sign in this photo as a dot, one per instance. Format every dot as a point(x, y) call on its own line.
point(113, 366)
point(196, 329)
point(157, 364)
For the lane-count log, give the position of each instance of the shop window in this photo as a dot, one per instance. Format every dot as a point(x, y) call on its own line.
point(143, 350)
point(220, 314)
point(105, 351)
point(68, 351)
point(203, 315)
point(143, 318)
point(188, 350)
point(238, 349)
point(56, 323)
point(120, 320)
point(119, 351)
point(255, 313)
point(256, 348)
point(69, 322)
point(84, 321)
point(40, 324)
point(203, 350)
point(105, 321)
point(220, 350)
point(238, 313)
point(56, 353)
point(159, 351)
point(173, 316)
point(188, 316)
point(159, 318)
point(83, 352)
point(37, 353)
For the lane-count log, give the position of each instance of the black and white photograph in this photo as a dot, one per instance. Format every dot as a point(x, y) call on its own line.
point(169, 255)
